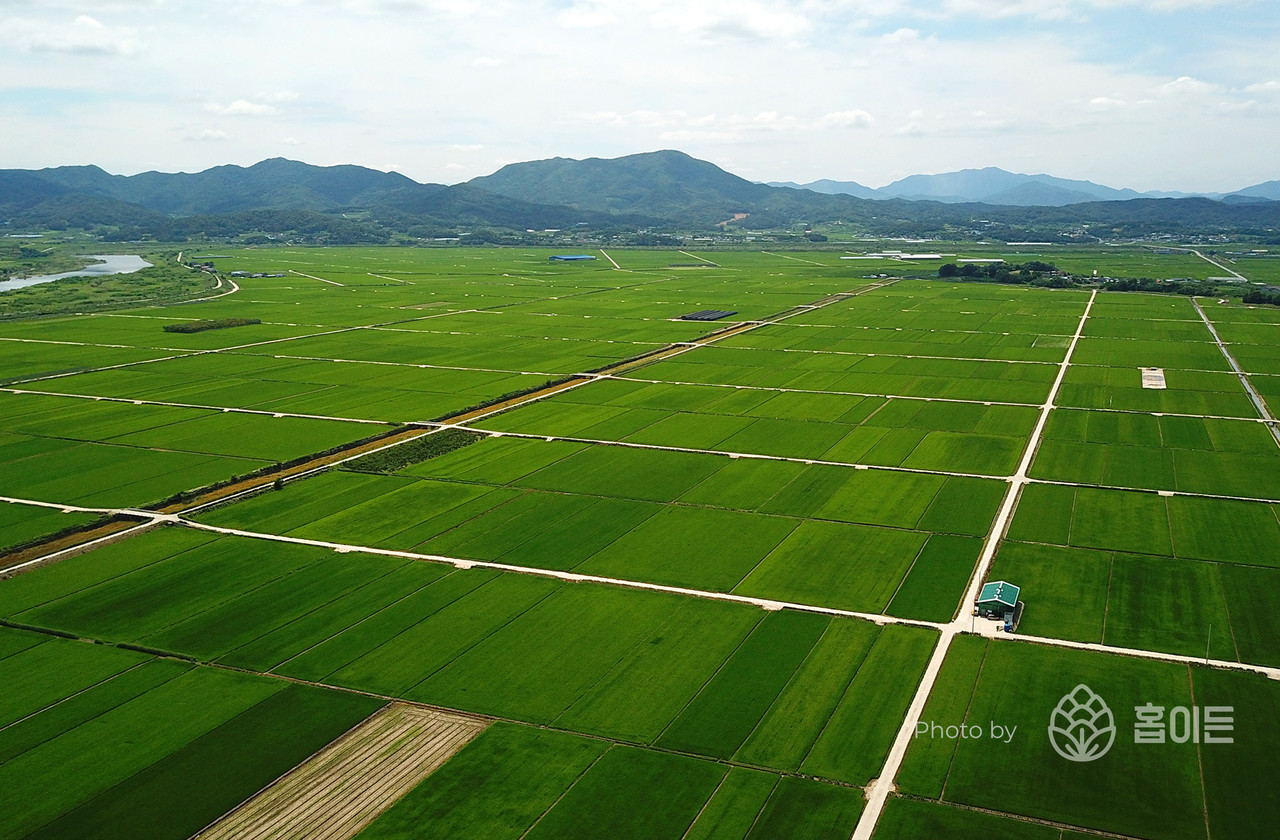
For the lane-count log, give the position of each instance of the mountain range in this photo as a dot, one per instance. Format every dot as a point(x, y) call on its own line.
point(656, 191)
point(1000, 187)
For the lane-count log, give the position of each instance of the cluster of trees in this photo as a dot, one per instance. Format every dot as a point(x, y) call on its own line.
point(216, 324)
point(1173, 287)
point(1047, 275)
point(1259, 296)
point(1034, 273)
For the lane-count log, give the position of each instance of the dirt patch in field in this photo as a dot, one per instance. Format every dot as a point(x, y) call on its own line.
point(344, 787)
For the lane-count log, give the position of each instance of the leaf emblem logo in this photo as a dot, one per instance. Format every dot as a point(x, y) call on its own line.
point(1082, 727)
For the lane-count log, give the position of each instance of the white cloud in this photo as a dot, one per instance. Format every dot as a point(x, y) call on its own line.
point(290, 141)
point(586, 16)
point(208, 135)
point(648, 119)
point(846, 119)
point(901, 36)
point(1078, 10)
point(746, 20)
point(241, 108)
point(1187, 86)
point(85, 35)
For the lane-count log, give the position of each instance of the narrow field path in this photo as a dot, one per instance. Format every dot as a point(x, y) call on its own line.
point(1227, 269)
point(169, 404)
point(700, 259)
point(797, 259)
point(345, 786)
point(313, 277)
point(961, 624)
point(1258, 402)
point(879, 789)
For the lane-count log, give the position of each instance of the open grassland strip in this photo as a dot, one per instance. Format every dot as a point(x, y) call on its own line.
point(627, 444)
point(1257, 399)
point(883, 785)
point(345, 786)
point(223, 409)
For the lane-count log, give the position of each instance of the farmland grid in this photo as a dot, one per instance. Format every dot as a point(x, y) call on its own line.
point(1017, 483)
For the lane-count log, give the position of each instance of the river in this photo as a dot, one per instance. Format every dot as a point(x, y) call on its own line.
point(111, 264)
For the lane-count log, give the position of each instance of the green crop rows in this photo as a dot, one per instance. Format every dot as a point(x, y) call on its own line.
point(698, 594)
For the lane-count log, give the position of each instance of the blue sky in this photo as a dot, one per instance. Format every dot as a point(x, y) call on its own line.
point(1147, 94)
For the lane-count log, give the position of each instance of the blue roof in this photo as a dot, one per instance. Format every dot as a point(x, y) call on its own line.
point(571, 257)
point(999, 591)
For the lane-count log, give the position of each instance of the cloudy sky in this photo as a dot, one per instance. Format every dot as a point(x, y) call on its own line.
point(1148, 94)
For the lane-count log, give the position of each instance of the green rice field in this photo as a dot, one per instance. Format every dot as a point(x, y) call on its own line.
point(696, 588)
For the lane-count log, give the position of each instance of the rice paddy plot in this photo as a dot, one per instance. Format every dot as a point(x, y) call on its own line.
point(701, 540)
point(1132, 262)
point(514, 780)
point(829, 344)
point(20, 524)
point(1109, 568)
point(1176, 788)
point(950, 436)
point(32, 360)
point(1194, 455)
point(915, 819)
point(109, 743)
point(104, 475)
point(516, 646)
point(918, 380)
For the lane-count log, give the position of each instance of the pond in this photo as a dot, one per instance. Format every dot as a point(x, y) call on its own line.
point(110, 264)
